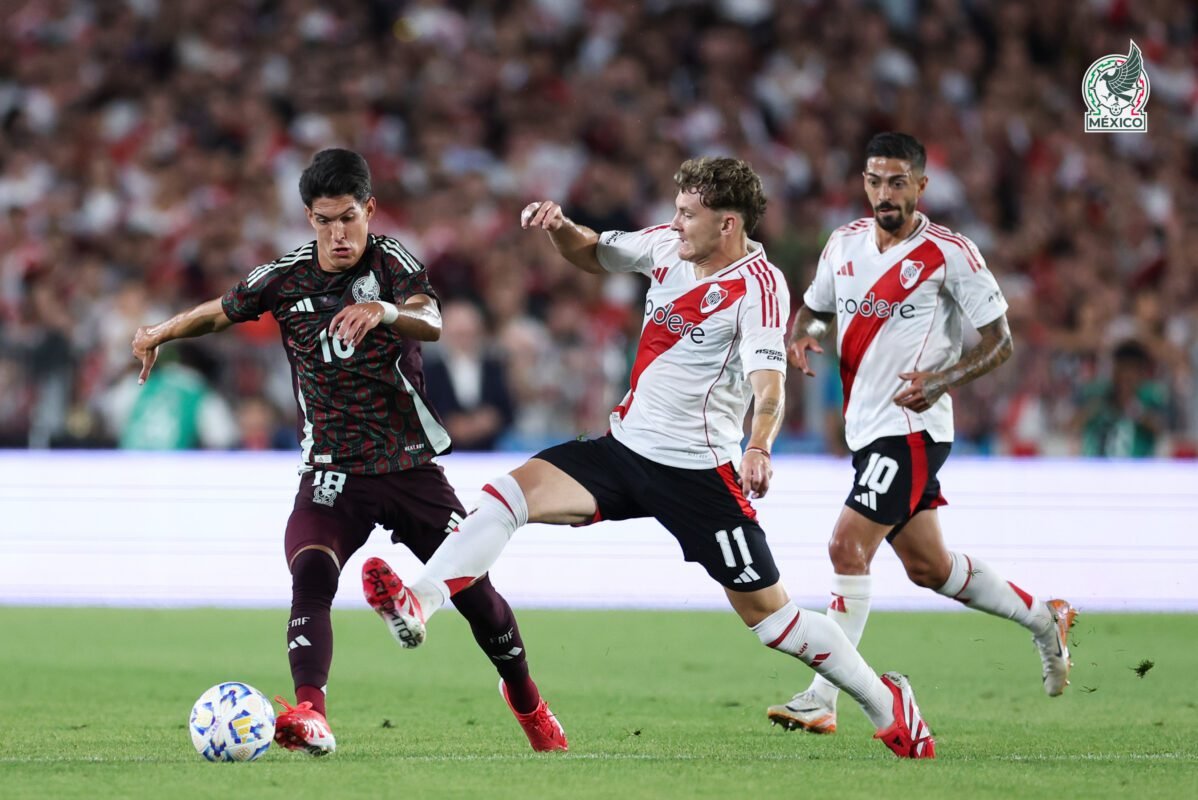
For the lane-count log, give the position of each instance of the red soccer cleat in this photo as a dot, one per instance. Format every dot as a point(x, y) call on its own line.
point(544, 732)
point(301, 728)
point(909, 736)
point(392, 601)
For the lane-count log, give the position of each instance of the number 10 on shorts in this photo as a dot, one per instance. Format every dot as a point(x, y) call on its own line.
point(879, 473)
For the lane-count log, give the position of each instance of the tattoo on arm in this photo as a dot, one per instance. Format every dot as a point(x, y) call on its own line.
point(995, 348)
point(767, 407)
point(769, 396)
point(815, 324)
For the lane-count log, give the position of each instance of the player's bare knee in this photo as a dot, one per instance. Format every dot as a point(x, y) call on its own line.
point(849, 557)
point(753, 607)
point(527, 476)
point(927, 574)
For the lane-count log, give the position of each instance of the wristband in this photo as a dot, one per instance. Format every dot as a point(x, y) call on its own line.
point(761, 450)
point(390, 312)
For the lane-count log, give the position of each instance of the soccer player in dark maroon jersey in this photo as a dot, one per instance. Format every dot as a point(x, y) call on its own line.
point(353, 308)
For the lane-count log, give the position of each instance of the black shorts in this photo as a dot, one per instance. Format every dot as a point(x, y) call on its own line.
point(338, 511)
point(896, 478)
point(704, 509)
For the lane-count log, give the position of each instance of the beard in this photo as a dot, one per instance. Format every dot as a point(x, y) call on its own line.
point(894, 219)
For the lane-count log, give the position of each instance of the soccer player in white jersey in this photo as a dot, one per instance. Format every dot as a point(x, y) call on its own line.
point(897, 286)
point(712, 334)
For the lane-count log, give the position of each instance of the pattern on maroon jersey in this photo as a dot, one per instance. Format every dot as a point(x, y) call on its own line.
point(361, 410)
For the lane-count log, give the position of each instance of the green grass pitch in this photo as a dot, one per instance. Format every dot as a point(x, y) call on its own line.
point(656, 704)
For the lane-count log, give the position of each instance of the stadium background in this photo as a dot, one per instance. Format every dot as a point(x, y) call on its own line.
point(149, 153)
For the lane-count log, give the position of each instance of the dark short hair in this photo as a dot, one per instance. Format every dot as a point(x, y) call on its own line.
point(335, 172)
point(898, 145)
point(725, 184)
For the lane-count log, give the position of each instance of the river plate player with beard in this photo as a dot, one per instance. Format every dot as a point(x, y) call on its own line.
point(352, 309)
point(898, 287)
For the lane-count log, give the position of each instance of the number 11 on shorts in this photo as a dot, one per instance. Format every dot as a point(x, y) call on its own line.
point(738, 534)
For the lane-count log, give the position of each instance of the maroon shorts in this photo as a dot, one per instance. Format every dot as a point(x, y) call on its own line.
point(338, 511)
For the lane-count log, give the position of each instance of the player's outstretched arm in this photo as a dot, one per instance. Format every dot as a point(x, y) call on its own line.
point(769, 399)
point(808, 329)
point(205, 318)
point(418, 318)
point(576, 243)
point(926, 388)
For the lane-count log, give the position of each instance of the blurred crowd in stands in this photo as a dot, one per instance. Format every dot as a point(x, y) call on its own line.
point(150, 151)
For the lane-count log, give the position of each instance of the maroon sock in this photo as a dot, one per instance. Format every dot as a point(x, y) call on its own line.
point(313, 695)
point(494, 627)
point(310, 629)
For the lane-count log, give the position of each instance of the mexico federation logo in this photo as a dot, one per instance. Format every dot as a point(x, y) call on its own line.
point(1115, 89)
point(324, 495)
point(366, 288)
point(909, 273)
point(711, 301)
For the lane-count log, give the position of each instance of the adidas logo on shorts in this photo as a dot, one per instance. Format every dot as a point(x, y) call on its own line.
point(748, 576)
point(868, 499)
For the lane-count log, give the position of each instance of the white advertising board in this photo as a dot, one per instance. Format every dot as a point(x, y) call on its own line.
point(204, 529)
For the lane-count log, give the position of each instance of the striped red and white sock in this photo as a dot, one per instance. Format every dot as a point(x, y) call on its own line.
point(849, 609)
point(819, 643)
point(470, 551)
point(978, 586)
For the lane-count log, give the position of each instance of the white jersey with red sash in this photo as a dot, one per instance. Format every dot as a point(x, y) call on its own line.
point(700, 340)
point(899, 311)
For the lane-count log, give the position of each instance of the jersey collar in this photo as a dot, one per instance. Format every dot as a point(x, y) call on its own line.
point(755, 251)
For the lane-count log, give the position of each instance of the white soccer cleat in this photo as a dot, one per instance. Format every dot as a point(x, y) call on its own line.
point(908, 736)
point(392, 601)
point(806, 711)
point(1053, 645)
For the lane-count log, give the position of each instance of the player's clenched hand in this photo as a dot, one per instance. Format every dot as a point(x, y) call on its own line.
point(544, 214)
point(352, 322)
point(145, 349)
point(925, 389)
point(796, 353)
point(755, 474)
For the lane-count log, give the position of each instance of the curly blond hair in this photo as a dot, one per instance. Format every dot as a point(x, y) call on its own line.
point(725, 184)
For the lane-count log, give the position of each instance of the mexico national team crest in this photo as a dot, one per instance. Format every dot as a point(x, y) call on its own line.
point(1116, 89)
point(366, 289)
point(324, 495)
point(711, 301)
point(909, 272)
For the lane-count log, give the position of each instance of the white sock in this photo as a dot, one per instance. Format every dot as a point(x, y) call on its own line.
point(818, 642)
point(469, 552)
point(978, 586)
point(849, 609)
